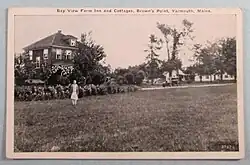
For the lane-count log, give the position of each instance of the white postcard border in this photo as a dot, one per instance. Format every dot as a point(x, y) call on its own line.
point(12, 12)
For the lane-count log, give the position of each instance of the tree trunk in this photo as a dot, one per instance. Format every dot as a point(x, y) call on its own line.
point(167, 50)
point(174, 51)
point(200, 78)
point(176, 39)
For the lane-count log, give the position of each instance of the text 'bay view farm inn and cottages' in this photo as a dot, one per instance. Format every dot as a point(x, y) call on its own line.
point(58, 49)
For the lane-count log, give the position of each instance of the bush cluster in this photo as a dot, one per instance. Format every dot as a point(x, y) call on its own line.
point(35, 93)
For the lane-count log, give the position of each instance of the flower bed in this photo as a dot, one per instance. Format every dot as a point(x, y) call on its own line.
point(34, 93)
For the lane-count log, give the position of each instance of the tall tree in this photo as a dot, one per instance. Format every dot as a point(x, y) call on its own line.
point(197, 51)
point(175, 37)
point(216, 58)
point(120, 71)
point(88, 57)
point(170, 65)
point(228, 51)
point(19, 66)
point(206, 59)
point(152, 59)
point(208, 62)
point(220, 53)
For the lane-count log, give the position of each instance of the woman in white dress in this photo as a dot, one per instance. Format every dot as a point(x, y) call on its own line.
point(74, 92)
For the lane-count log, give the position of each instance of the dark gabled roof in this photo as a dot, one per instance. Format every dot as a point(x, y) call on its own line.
point(56, 39)
point(69, 37)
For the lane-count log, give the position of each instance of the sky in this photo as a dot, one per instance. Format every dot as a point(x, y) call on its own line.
point(124, 37)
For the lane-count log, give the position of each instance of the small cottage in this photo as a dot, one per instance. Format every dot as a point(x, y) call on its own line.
point(175, 74)
point(210, 78)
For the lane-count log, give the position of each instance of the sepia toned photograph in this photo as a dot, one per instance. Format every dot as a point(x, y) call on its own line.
point(125, 83)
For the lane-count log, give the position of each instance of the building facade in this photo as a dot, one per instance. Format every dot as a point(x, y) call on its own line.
point(57, 49)
point(208, 78)
point(198, 78)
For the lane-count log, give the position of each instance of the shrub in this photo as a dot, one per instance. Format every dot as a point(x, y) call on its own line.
point(29, 93)
point(102, 89)
point(130, 78)
point(93, 89)
point(97, 78)
point(120, 80)
point(88, 90)
point(139, 77)
point(81, 92)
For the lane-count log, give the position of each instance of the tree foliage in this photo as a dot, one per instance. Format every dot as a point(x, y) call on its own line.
point(152, 59)
point(87, 59)
point(216, 58)
point(174, 37)
point(229, 54)
point(170, 65)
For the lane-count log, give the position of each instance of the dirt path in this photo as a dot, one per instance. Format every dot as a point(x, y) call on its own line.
point(186, 86)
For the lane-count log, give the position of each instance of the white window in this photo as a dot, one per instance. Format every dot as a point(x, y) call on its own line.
point(73, 42)
point(45, 53)
point(38, 62)
point(31, 54)
point(59, 54)
point(68, 54)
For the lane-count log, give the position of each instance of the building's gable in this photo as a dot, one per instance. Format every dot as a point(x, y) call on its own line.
point(43, 43)
point(56, 40)
point(64, 40)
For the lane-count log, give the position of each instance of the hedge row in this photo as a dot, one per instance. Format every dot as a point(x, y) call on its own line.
point(33, 93)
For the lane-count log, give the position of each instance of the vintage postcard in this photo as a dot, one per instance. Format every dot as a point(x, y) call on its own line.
point(125, 83)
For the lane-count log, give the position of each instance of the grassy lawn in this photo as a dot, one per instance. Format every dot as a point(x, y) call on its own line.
point(190, 119)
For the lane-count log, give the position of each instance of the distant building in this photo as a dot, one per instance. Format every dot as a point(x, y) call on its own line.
point(175, 74)
point(56, 49)
point(198, 78)
point(208, 78)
